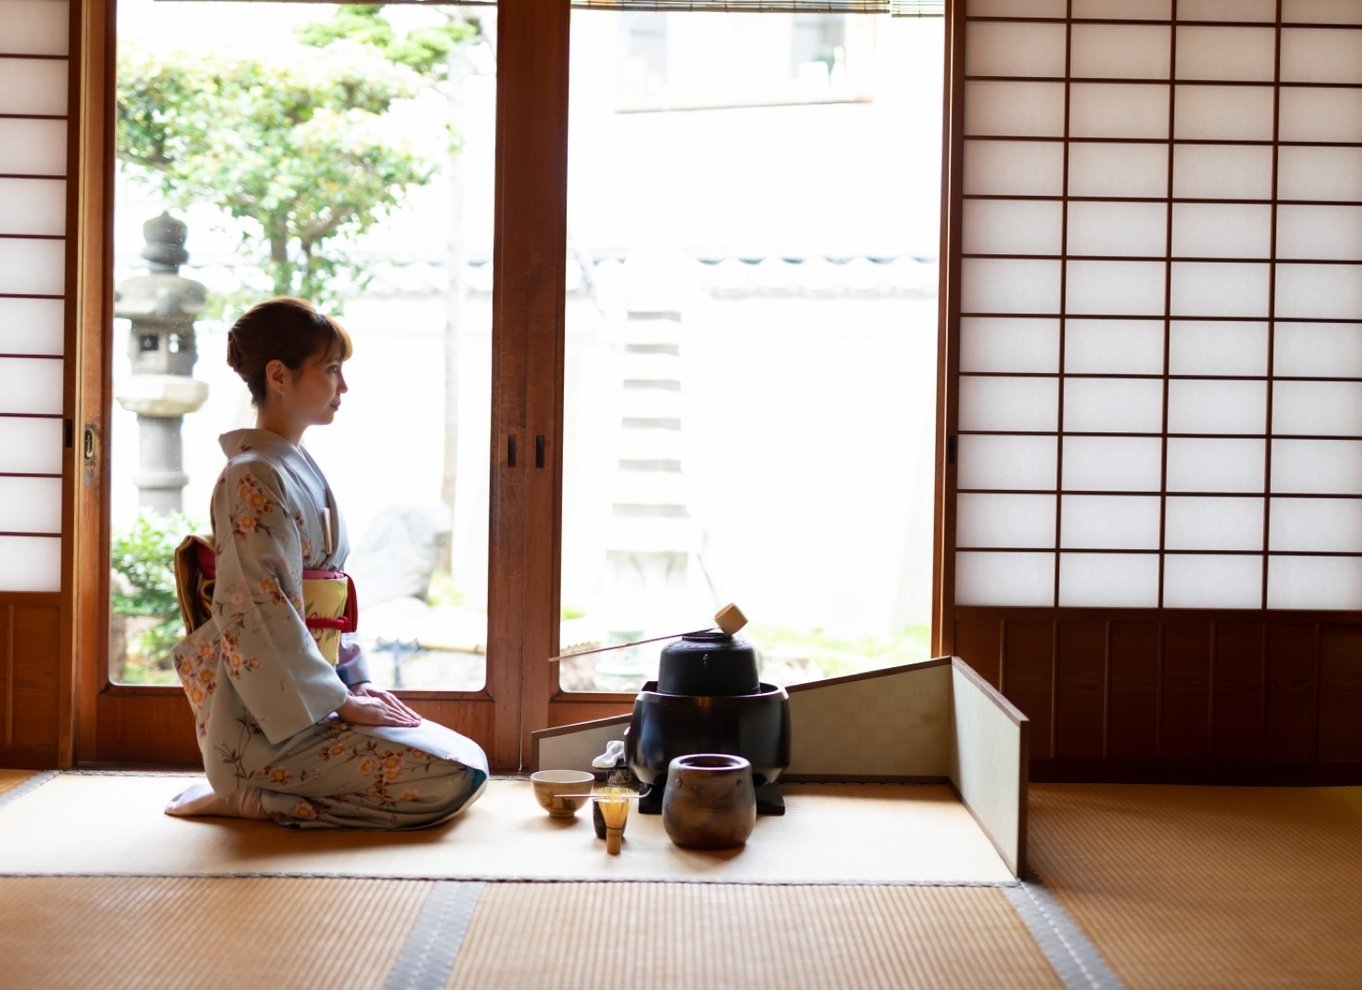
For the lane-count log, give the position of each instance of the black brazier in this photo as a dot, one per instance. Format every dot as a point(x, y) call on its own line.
point(708, 699)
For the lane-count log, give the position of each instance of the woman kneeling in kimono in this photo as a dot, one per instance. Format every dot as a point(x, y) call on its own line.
point(285, 734)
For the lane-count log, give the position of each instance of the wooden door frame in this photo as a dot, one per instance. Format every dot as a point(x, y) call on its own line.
point(113, 724)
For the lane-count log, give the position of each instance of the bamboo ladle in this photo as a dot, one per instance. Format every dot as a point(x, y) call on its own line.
point(729, 620)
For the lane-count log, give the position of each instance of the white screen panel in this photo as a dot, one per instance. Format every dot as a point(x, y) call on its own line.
point(1210, 289)
point(1317, 408)
point(1227, 10)
point(1318, 350)
point(1097, 169)
point(1112, 464)
point(1113, 347)
point(1008, 462)
point(1129, 229)
point(1320, 292)
point(1197, 347)
point(32, 505)
point(994, 404)
point(1214, 524)
point(1208, 171)
point(1310, 467)
point(1216, 230)
point(1223, 113)
point(1321, 115)
point(1319, 233)
point(1202, 581)
point(1155, 10)
point(1002, 344)
point(1021, 578)
point(1116, 288)
point(1120, 51)
point(1011, 49)
point(1008, 226)
point(1196, 464)
point(31, 326)
point(33, 206)
point(1094, 580)
point(1314, 582)
point(1321, 56)
point(1014, 168)
point(30, 446)
point(1226, 54)
point(35, 27)
point(30, 385)
point(1113, 405)
point(32, 147)
point(1001, 285)
point(1111, 110)
point(1021, 109)
point(1329, 525)
point(1209, 406)
point(32, 267)
point(30, 563)
point(33, 86)
point(1005, 521)
point(1015, 8)
point(1320, 173)
point(1321, 12)
point(1109, 522)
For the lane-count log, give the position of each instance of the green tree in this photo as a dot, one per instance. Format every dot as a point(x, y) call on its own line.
point(300, 146)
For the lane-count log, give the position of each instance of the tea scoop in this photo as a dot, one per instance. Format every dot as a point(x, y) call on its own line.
point(729, 619)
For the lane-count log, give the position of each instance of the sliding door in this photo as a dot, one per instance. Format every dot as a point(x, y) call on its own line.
point(1157, 376)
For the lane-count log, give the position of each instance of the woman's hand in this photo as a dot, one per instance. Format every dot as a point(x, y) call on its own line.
point(369, 705)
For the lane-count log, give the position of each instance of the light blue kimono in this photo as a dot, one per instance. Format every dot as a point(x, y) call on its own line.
point(262, 693)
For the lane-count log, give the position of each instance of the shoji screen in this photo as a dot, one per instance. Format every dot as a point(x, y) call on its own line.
point(33, 154)
point(1160, 311)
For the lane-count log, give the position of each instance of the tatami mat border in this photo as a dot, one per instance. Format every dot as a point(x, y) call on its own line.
point(32, 784)
point(1072, 954)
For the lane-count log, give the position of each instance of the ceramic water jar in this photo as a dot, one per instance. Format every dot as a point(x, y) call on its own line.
point(709, 801)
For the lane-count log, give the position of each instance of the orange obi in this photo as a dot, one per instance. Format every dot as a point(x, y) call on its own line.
point(330, 606)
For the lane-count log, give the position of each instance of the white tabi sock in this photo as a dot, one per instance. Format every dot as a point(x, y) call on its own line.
point(199, 798)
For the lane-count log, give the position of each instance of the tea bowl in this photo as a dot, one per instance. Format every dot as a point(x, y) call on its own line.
point(562, 792)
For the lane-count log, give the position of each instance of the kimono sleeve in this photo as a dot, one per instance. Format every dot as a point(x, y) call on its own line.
point(270, 658)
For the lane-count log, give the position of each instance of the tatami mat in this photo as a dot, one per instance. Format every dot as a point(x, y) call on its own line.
point(832, 833)
point(142, 933)
point(10, 779)
point(719, 936)
point(1187, 887)
point(201, 932)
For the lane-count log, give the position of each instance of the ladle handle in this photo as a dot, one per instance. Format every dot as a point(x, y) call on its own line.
point(620, 646)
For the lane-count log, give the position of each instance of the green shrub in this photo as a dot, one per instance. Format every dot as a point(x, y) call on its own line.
point(143, 588)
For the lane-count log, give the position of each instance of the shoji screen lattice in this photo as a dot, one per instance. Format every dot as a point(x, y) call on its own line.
point(33, 153)
point(1160, 329)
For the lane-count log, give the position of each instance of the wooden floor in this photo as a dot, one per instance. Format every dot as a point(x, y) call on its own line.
point(1135, 886)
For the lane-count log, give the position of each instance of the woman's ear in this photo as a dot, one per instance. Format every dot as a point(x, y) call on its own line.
point(277, 375)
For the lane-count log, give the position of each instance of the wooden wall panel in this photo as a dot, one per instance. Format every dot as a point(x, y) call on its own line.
point(1133, 694)
point(1029, 677)
point(1340, 694)
point(1185, 692)
point(1237, 692)
point(1289, 694)
point(1195, 697)
point(1080, 689)
point(30, 655)
point(980, 645)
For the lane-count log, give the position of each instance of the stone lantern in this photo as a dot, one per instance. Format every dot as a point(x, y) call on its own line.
point(162, 307)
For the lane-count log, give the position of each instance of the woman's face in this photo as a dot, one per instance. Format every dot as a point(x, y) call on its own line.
point(307, 397)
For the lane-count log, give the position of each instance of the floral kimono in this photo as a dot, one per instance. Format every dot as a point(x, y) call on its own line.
point(262, 693)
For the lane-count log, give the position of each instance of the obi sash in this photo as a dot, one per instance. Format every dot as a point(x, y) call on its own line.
point(330, 606)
